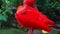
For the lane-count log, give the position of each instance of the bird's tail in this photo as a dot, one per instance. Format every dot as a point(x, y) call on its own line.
point(50, 22)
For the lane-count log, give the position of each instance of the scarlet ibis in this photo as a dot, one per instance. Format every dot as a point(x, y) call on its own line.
point(28, 16)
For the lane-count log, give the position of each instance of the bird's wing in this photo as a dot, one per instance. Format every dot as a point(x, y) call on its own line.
point(45, 19)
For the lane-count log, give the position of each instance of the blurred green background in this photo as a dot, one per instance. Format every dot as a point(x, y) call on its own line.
point(8, 23)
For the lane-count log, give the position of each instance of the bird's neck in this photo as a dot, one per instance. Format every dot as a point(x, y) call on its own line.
point(29, 3)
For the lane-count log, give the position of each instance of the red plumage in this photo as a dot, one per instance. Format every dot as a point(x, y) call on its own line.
point(28, 16)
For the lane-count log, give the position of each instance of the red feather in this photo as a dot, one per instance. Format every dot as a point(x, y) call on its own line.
point(28, 16)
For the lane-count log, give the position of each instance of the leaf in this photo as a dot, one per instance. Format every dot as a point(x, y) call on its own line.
point(10, 11)
point(4, 6)
point(47, 2)
point(54, 4)
point(0, 11)
point(2, 17)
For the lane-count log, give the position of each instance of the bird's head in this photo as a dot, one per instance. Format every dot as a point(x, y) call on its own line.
point(28, 2)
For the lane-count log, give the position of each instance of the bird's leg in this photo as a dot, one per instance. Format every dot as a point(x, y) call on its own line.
point(30, 31)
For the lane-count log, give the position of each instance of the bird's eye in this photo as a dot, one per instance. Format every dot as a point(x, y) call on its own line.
point(24, 13)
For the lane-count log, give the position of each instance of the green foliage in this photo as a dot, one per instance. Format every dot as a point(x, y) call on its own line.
point(6, 8)
point(18, 31)
point(10, 31)
point(49, 7)
point(3, 17)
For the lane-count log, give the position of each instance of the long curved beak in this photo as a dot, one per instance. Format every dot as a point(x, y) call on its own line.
point(44, 32)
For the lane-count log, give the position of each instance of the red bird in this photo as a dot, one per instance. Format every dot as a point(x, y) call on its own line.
point(28, 16)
